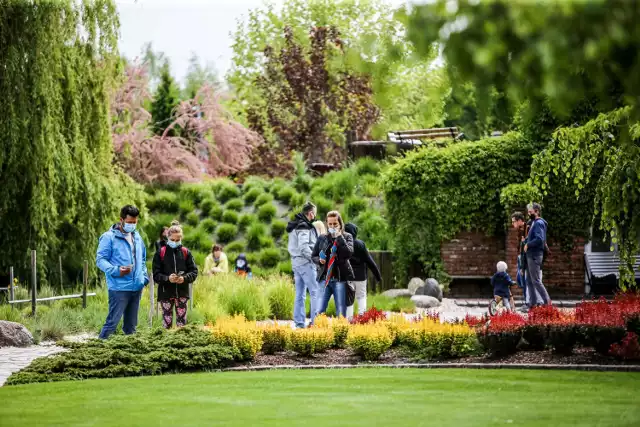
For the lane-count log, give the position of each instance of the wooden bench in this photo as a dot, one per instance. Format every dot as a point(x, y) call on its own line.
point(415, 137)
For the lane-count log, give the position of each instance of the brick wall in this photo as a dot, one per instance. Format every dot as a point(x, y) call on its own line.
point(475, 254)
point(472, 253)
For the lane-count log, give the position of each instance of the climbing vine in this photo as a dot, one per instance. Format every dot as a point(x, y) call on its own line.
point(60, 187)
point(433, 193)
point(603, 154)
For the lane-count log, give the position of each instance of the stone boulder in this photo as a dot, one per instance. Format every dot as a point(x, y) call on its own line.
point(430, 288)
point(414, 284)
point(13, 334)
point(395, 293)
point(425, 301)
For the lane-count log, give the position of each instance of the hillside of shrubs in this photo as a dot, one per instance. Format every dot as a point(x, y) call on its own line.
point(251, 217)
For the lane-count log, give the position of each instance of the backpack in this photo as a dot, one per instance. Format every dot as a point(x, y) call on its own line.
point(163, 250)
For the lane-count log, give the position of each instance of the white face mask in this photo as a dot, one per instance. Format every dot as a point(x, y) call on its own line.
point(240, 263)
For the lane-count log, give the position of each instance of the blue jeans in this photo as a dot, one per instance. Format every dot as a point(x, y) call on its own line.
point(537, 292)
point(122, 303)
point(338, 290)
point(305, 278)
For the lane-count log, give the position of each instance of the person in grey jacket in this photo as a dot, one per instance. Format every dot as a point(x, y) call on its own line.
point(302, 239)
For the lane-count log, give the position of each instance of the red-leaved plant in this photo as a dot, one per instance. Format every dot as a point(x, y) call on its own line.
point(628, 348)
point(370, 316)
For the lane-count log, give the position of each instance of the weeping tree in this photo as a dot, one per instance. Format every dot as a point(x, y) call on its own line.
point(60, 186)
point(559, 58)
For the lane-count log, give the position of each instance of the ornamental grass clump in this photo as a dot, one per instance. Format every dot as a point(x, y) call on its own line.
point(369, 341)
point(275, 338)
point(306, 342)
point(238, 333)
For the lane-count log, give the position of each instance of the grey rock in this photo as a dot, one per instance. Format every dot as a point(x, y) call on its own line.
point(14, 334)
point(414, 284)
point(395, 293)
point(425, 301)
point(430, 288)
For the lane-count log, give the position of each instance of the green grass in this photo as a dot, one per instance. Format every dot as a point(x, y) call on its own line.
point(358, 397)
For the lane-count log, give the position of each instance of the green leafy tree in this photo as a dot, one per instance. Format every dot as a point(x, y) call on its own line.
point(165, 102)
point(562, 58)
point(60, 187)
point(199, 75)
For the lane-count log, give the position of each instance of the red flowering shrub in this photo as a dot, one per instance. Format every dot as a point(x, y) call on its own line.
point(506, 321)
point(602, 323)
point(501, 335)
point(474, 321)
point(628, 348)
point(370, 316)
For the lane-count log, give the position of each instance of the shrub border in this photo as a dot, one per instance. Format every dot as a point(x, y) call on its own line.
point(529, 366)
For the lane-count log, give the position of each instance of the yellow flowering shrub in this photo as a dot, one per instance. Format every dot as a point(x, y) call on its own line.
point(370, 340)
point(321, 321)
point(306, 342)
point(434, 340)
point(236, 331)
point(275, 338)
point(340, 328)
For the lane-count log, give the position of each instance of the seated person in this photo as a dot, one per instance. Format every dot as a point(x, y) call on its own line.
point(242, 266)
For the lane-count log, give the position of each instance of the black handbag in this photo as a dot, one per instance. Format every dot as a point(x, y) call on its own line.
point(350, 294)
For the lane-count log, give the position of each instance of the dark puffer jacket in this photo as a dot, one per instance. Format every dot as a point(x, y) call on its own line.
point(174, 262)
point(361, 259)
point(342, 270)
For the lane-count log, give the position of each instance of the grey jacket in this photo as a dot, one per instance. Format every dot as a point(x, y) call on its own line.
point(302, 239)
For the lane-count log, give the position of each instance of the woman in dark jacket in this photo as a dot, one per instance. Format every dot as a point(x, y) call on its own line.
point(173, 270)
point(361, 261)
point(162, 240)
point(331, 253)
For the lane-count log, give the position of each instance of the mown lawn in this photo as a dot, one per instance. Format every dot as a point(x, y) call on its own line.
point(357, 397)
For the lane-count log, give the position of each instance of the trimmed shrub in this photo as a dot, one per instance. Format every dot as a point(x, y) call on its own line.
point(275, 338)
point(562, 338)
point(628, 348)
point(215, 212)
point(277, 228)
point(155, 352)
point(208, 225)
point(263, 199)
point(303, 183)
point(238, 333)
point(227, 191)
point(236, 246)
point(254, 182)
point(246, 220)
point(535, 336)
point(269, 257)
point(285, 268)
point(323, 204)
point(369, 341)
point(226, 232)
point(502, 334)
point(164, 201)
point(193, 219)
point(234, 205)
point(207, 204)
point(340, 328)
point(197, 239)
point(276, 185)
point(353, 206)
point(254, 236)
point(285, 194)
point(230, 217)
point(374, 229)
point(187, 207)
point(251, 195)
point(368, 166)
point(194, 192)
point(266, 212)
point(297, 201)
point(281, 297)
point(306, 342)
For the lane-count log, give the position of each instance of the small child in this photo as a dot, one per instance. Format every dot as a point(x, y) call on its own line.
point(242, 266)
point(501, 282)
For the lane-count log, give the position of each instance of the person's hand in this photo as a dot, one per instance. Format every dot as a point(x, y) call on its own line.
point(173, 278)
point(180, 280)
point(322, 261)
point(526, 247)
point(125, 270)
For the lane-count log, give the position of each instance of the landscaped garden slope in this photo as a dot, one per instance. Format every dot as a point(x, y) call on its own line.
point(356, 397)
point(252, 217)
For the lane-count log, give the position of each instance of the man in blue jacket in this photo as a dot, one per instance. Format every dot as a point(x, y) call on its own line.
point(122, 257)
point(536, 242)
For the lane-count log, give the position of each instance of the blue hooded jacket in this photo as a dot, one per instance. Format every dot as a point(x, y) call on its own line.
point(114, 252)
point(537, 237)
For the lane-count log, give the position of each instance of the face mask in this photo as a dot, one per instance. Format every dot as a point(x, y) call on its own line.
point(532, 217)
point(128, 228)
point(240, 264)
point(332, 231)
point(173, 244)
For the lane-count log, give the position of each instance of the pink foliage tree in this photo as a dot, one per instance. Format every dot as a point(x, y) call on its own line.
point(209, 145)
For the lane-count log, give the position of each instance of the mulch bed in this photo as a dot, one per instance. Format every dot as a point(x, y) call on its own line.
point(580, 356)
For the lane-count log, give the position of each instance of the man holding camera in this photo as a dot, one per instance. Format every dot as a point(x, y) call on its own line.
point(122, 257)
